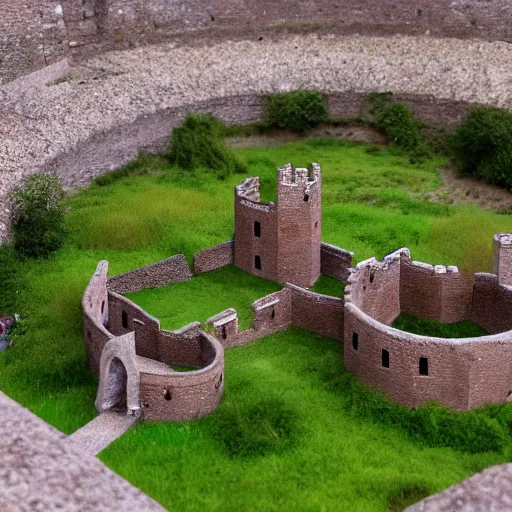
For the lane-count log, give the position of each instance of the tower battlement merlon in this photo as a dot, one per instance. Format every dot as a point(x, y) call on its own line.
point(299, 177)
point(502, 264)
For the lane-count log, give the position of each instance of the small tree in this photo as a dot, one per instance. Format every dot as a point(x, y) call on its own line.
point(199, 143)
point(37, 216)
point(298, 111)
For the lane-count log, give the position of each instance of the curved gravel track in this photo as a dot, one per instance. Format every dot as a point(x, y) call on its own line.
point(119, 87)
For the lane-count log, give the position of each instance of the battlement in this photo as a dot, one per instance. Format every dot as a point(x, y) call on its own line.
point(502, 263)
point(300, 176)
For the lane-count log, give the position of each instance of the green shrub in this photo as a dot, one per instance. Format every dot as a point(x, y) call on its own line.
point(37, 216)
point(298, 111)
point(397, 122)
point(373, 106)
point(199, 143)
point(477, 431)
point(10, 281)
point(483, 145)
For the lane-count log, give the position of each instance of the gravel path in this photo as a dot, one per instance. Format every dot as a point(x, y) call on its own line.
point(120, 87)
point(102, 431)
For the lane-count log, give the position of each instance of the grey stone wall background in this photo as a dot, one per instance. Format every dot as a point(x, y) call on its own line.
point(39, 32)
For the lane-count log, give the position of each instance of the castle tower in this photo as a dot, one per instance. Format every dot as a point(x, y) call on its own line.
point(299, 225)
point(281, 242)
point(502, 264)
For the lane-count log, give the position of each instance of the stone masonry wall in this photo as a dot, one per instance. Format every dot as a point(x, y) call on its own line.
point(271, 314)
point(35, 34)
point(183, 396)
point(492, 304)
point(214, 257)
point(248, 211)
point(374, 287)
point(165, 394)
point(449, 369)
point(335, 262)
point(95, 316)
point(321, 314)
point(126, 316)
point(460, 373)
point(162, 273)
point(299, 225)
point(435, 292)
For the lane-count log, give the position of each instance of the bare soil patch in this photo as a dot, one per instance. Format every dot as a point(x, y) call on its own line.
point(353, 133)
point(457, 190)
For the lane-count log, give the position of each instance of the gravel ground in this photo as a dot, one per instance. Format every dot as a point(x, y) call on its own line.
point(489, 491)
point(41, 471)
point(119, 87)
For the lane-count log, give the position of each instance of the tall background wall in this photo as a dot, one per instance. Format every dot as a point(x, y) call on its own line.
point(34, 33)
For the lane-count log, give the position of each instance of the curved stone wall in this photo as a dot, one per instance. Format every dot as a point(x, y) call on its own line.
point(95, 316)
point(36, 34)
point(133, 357)
point(412, 369)
point(121, 103)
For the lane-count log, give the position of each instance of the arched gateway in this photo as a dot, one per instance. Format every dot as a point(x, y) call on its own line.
point(119, 386)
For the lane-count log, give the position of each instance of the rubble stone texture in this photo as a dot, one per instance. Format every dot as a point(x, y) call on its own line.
point(41, 470)
point(37, 33)
point(489, 491)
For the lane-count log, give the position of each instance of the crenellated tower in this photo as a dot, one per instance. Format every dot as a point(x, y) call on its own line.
point(299, 224)
point(281, 242)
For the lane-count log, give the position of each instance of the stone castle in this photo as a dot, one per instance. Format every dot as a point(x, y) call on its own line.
point(282, 242)
point(58, 107)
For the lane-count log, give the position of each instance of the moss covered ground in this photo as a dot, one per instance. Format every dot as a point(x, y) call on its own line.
point(294, 431)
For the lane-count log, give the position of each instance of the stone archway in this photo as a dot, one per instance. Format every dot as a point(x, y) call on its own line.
point(115, 391)
point(119, 386)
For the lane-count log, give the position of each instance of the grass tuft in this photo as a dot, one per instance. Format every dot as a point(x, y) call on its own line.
point(258, 428)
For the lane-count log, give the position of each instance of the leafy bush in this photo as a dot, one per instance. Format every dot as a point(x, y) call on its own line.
point(297, 110)
point(38, 216)
point(483, 145)
point(397, 122)
point(373, 106)
point(199, 143)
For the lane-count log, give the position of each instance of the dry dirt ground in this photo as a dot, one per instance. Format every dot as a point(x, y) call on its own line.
point(354, 133)
point(454, 190)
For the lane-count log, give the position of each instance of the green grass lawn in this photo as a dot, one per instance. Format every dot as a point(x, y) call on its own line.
point(294, 431)
point(204, 296)
point(425, 327)
point(284, 438)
